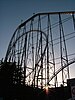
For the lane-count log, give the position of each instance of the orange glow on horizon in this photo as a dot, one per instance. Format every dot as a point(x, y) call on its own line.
point(46, 89)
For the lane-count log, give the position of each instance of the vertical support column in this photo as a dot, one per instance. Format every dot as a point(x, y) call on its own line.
point(41, 53)
point(45, 72)
point(31, 29)
point(41, 63)
point(48, 49)
point(73, 20)
point(37, 48)
point(61, 46)
point(14, 56)
point(52, 49)
point(18, 68)
point(64, 57)
point(24, 53)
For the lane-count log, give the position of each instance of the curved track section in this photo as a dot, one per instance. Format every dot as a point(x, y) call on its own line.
point(59, 70)
point(40, 46)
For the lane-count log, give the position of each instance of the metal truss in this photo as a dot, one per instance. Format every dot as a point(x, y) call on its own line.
point(39, 48)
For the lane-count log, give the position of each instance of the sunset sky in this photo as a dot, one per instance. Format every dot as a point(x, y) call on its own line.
point(12, 12)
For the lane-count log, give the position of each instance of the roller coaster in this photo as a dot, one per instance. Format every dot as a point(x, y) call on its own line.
point(40, 48)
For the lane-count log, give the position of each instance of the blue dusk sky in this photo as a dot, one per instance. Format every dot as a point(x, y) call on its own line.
point(13, 11)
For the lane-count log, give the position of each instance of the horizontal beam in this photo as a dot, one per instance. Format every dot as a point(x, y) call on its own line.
point(66, 12)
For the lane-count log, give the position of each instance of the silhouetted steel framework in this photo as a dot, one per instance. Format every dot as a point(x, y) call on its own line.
point(39, 49)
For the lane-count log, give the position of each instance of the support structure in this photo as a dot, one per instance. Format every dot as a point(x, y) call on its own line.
point(40, 47)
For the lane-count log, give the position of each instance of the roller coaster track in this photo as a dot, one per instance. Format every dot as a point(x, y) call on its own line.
point(59, 70)
point(35, 45)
